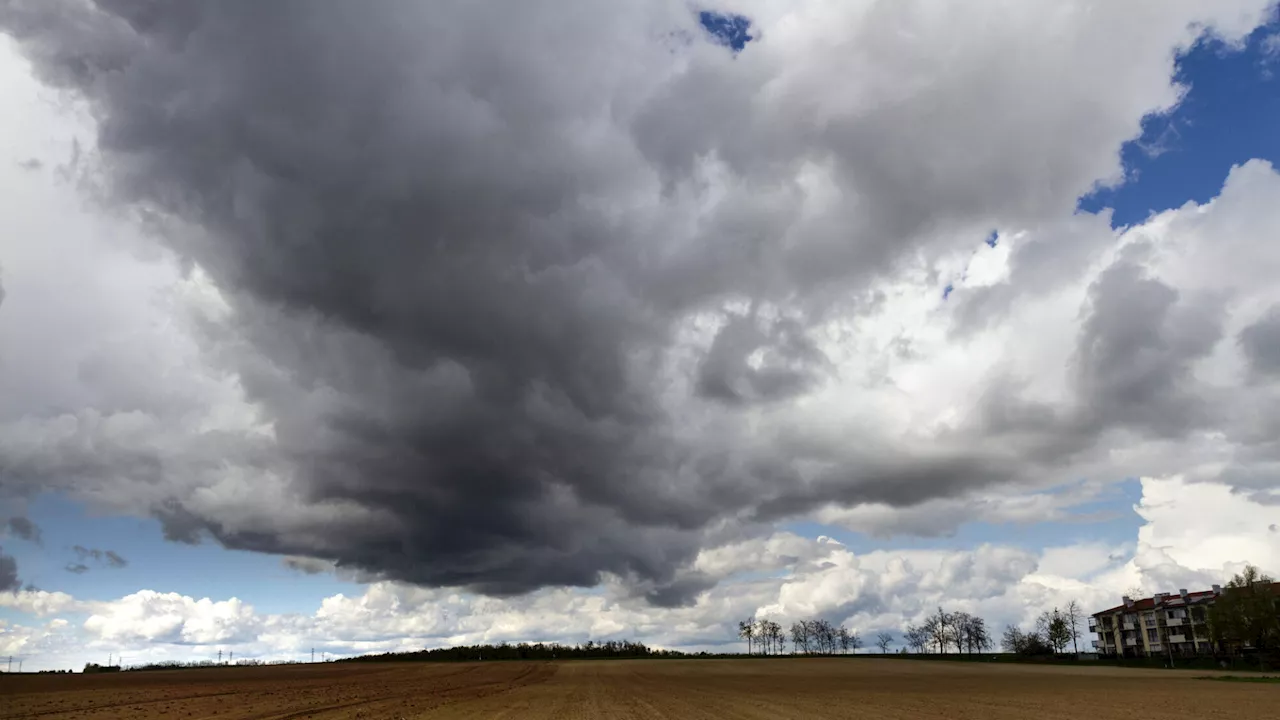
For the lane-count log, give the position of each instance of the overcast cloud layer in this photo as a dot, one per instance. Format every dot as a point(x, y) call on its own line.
point(508, 296)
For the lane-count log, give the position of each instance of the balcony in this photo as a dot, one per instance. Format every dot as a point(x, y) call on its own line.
point(1128, 625)
point(1176, 622)
point(1177, 639)
point(1131, 642)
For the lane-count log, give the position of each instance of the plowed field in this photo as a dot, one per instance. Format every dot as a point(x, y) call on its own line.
point(765, 689)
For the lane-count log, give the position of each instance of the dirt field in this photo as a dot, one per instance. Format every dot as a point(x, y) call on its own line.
point(772, 689)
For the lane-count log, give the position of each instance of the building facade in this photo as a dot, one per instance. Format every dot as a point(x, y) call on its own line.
point(1164, 624)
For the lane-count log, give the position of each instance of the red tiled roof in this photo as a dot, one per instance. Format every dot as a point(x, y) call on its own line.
point(1173, 599)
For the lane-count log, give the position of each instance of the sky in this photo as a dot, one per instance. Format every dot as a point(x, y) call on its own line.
point(396, 328)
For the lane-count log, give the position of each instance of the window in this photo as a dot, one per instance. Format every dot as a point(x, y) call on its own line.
point(1151, 636)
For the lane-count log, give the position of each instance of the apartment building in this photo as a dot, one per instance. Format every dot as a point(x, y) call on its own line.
point(1162, 624)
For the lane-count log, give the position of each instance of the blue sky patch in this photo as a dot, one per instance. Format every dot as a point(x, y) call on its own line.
point(205, 570)
point(1230, 115)
point(727, 29)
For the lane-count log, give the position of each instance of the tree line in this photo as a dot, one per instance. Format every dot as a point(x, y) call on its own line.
point(1054, 630)
point(1247, 615)
point(807, 637)
point(944, 630)
point(525, 651)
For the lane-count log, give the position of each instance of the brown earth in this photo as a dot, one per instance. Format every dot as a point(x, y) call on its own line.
point(746, 689)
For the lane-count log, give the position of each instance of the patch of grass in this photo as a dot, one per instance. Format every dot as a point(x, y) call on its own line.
point(1243, 678)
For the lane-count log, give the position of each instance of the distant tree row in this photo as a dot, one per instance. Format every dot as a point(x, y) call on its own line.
point(189, 664)
point(944, 630)
point(525, 651)
point(1054, 630)
point(807, 637)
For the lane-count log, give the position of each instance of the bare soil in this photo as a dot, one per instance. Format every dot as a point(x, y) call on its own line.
point(746, 689)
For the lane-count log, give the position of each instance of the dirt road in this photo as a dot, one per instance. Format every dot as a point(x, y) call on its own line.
point(745, 689)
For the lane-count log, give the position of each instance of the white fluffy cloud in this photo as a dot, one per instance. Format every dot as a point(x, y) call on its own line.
point(782, 576)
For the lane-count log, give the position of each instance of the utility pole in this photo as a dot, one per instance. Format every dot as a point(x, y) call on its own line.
point(231, 656)
point(219, 657)
point(19, 667)
point(313, 654)
point(109, 656)
point(10, 664)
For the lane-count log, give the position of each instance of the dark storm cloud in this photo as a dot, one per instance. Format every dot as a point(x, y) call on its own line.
point(459, 241)
point(22, 527)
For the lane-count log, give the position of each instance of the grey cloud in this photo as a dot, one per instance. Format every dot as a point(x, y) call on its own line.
point(76, 568)
point(22, 527)
point(102, 558)
point(307, 566)
point(748, 363)
point(1055, 256)
point(459, 244)
point(31, 164)
point(8, 572)
point(1136, 348)
point(1261, 343)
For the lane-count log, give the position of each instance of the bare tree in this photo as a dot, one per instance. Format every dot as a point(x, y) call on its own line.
point(959, 624)
point(940, 630)
point(917, 637)
point(799, 637)
point(1053, 628)
point(776, 636)
point(975, 634)
point(747, 631)
point(1074, 616)
point(1014, 640)
point(824, 636)
point(883, 641)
